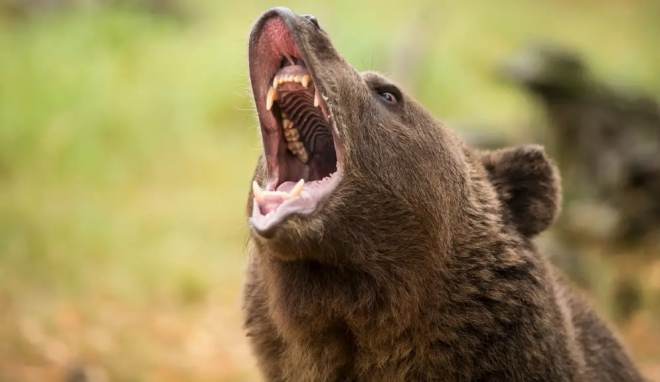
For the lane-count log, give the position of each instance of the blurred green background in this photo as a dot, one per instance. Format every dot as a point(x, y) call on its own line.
point(128, 138)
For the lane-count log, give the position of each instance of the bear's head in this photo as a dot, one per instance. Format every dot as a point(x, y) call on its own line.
point(354, 170)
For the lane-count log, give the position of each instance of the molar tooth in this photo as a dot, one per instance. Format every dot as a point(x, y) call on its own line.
point(305, 80)
point(273, 95)
point(297, 78)
point(302, 154)
point(287, 124)
point(297, 190)
point(291, 77)
point(317, 98)
point(283, 115)
point(258, 193)
point(295, 147)
point(291, 135)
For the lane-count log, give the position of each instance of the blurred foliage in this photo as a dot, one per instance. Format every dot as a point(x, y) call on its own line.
point(127, 140)
point(21, 9)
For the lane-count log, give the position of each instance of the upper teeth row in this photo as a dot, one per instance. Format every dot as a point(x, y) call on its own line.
point(291, 134)
point(292, 137)
point(273, 95)
point(303, 79)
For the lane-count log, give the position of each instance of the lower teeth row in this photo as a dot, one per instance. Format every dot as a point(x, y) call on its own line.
point(292, 136)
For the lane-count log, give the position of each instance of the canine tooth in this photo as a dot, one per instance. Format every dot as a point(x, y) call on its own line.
point(317, 98)
point(297, 190)
point(273, 95)
point(305, 80)
point(258, 193)
point(291, 135)
point(302, 154)
point(295, 147)
point(275, 82)
point(287, 124)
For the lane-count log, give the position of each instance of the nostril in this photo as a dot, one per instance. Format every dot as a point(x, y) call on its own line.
point(313, 20)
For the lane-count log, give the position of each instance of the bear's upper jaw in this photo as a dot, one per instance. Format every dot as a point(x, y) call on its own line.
point(301, 144)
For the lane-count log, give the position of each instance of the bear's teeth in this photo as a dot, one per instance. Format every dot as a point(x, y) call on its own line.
point(258, 193)
point(302, 155)
point(296, 191)
point(295, 147)
point(291, 135)
point(317, 98)
point(303, 79)
point(272, 96)
point(299, 150)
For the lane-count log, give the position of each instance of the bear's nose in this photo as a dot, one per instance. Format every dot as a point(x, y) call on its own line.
point(312, 19)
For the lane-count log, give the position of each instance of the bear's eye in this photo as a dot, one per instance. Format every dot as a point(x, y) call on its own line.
point(389, 93)
point(387, 96)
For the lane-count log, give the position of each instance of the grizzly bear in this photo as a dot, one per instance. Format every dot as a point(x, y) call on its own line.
point(384, 249)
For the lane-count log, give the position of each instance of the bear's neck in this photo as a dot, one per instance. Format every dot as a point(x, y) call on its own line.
point(347, 312)
point(390, 280)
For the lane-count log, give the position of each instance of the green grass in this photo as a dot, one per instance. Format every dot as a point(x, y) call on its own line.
point(127, 142)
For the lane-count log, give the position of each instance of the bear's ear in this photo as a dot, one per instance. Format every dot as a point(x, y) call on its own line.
point(527, 183)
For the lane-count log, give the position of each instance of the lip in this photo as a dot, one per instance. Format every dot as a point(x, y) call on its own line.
point(274, 40)
point(310, 202)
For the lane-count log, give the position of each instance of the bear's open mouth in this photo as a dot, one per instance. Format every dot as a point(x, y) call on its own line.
point(300, 142)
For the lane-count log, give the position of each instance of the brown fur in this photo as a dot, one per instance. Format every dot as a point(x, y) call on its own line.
point(420, 265)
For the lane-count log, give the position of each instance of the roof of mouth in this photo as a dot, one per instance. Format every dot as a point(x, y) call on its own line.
point(276, 41)
point(293, 70)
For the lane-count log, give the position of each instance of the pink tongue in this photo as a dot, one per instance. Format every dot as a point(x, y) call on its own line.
point(286, 186)
point(267, 208)
point(269, 203)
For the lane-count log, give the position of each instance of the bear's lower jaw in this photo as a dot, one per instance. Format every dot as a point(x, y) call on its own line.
point(272, 207)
